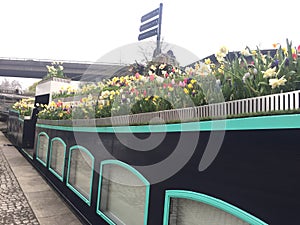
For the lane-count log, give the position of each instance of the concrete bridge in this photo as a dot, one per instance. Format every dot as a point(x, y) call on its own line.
point(36, 68)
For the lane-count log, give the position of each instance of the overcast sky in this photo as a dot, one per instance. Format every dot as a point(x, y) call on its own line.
point(88, 30)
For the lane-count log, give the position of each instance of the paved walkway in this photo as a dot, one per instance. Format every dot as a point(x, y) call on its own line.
point(25, 197)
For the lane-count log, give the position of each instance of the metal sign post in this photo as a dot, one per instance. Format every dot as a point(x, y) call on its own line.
point(153, 23)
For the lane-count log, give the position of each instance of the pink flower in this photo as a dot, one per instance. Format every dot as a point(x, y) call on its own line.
point(182, 84)
point(152, 77)
point(298, 49)
point(137, 75)
point(145, 93)
point(185, 80)
point(173, 81)
point(294, 55)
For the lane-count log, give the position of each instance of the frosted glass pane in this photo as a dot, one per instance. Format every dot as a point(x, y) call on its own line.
point(43, 148)
point(57, 157)
point(188, 212)
point(80, 172)
point(122, 196)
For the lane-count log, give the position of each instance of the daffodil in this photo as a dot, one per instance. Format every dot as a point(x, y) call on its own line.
point(271, 72)
point(224, 50)
point(245, 52)
point(277, 82)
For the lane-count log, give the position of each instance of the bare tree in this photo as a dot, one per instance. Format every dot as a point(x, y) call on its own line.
point(147, 51)
point(13, 86)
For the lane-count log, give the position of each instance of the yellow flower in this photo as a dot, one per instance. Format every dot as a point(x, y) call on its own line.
point(263, 58)
point(193, 81)
point(162, 66)
point(269, 73)
point(115, 79)
point(52, 104)
point(220, 56)
point(171, 88)
point(207, 61)
point(185, 90)
point(152, 67)
point(190, 86)
point(284, 50)
point(221, 70)
point(277, 82)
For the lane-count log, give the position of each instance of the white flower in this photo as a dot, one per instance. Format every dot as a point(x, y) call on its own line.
point(269, 73)
point(246, 75)
point(224, 50)
point(277, 82)
point(203, 69)
point(254, 71)
point(159, 79)
point(105, 94)
point(188, 70)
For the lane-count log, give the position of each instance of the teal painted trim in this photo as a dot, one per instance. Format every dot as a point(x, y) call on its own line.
point(30, 156)
point(209, 201)
point(15, 111)
point(136, 173)
point(80, 148)
point(291, 121)
point(38, 146)
point(60, 177)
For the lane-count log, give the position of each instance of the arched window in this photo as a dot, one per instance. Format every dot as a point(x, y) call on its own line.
point(57, 157)
point(80, 172)
point(191, 208)
point(42, 148)
point(123, 194)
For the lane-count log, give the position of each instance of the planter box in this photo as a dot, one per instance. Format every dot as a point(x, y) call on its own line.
point(50, 86)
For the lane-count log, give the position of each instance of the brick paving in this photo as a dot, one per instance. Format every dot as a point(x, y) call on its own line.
point(14, 207)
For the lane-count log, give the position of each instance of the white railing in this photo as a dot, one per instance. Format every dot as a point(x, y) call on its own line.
point(275, 102)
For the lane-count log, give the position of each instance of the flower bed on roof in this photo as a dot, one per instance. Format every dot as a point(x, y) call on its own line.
point(158, 87)
point(24, 106)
